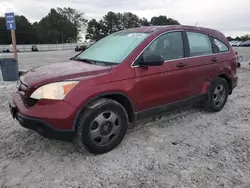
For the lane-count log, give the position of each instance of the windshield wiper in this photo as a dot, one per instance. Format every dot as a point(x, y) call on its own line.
point(109, 63)
point(83, 60)
point(93, 62)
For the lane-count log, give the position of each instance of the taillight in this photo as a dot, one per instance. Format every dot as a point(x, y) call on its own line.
point(233, 64)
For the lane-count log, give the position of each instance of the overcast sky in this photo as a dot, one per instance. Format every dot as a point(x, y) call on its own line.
point(229, 16)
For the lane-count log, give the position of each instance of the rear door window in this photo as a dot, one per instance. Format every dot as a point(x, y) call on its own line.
point(199, 44)
point(219, 46)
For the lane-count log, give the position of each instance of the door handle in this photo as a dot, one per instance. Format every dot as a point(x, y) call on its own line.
point(214, 59)
point(181, 64)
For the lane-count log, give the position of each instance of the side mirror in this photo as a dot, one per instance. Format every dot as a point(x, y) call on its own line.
point(152, 60)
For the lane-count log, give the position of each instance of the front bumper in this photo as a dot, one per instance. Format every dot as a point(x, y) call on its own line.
point(51, 119)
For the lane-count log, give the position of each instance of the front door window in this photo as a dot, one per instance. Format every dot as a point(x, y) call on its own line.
point(169, 46)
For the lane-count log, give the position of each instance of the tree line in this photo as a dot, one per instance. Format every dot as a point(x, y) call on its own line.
point(113, 22)
point(242, 38)
point(59, 26)
point(63, 25)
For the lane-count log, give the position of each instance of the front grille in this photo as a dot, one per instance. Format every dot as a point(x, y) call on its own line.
point(22, 87)
point(29, 102)
point(25, 92)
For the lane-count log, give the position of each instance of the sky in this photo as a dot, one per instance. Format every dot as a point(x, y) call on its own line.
point(229, 16)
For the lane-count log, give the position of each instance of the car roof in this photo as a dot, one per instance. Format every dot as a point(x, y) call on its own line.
point(164, 28)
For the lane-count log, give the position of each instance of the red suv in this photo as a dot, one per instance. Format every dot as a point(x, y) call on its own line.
point(126, 76)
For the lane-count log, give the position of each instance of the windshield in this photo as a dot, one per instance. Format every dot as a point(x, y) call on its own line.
point(113, 48)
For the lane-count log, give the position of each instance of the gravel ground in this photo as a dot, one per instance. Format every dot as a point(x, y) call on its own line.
point(187, 148)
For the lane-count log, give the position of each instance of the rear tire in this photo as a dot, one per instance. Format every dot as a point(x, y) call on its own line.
point(217, 95)
point(102, 126)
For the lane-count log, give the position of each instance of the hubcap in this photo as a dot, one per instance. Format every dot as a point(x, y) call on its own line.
point(219, 95)
point(105, 128)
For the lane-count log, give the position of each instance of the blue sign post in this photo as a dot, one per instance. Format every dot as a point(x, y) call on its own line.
point(11, 25)
point(10, 21)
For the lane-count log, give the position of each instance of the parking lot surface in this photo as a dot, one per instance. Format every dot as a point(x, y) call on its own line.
point(185, 148)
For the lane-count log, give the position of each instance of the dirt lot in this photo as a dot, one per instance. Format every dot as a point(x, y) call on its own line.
point(187, 148)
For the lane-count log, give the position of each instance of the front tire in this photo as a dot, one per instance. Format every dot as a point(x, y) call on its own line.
point(102, 126)
point(217, 95)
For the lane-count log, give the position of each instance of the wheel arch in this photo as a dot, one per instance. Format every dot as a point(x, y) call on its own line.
point(119, 97)
point(229, 81)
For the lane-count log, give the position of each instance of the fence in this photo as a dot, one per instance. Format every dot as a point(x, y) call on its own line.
point(43, 47)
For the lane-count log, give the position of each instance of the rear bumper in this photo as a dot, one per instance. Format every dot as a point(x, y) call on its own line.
point(51, 119)
point(234, 82)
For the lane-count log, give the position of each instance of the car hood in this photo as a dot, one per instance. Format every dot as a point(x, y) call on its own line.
point(61, 71)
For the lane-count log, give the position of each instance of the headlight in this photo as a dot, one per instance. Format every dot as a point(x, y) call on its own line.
point(57, 90)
